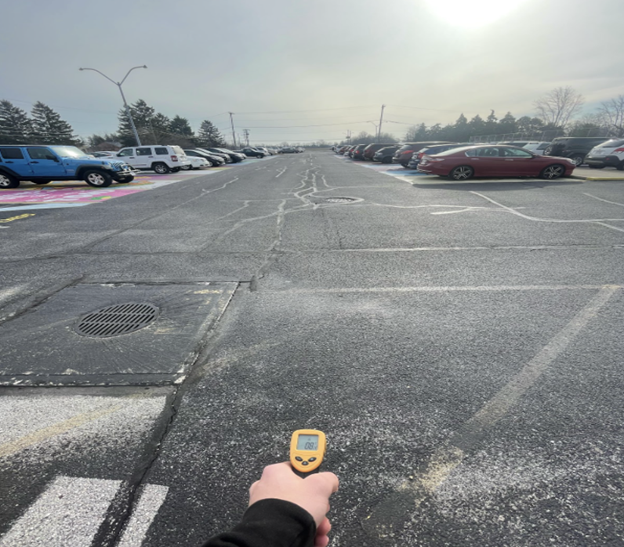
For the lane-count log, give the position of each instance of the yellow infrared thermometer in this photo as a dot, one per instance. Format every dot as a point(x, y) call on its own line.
point(307, 450)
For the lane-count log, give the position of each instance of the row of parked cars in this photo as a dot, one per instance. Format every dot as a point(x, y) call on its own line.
point(43, 164)
point(461, 161)
point(596, 152)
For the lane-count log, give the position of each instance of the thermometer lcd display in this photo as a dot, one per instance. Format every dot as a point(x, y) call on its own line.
point(307, 442)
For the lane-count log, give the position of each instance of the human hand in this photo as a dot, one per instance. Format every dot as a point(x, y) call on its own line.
point(278, 481)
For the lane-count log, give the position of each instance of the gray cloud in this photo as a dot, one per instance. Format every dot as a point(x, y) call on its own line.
point(206, 58)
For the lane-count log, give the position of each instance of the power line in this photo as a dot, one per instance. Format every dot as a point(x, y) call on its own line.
point(313, 110)
point(312, 125)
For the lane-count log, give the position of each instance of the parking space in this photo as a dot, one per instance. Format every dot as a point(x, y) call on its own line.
point(62, 194)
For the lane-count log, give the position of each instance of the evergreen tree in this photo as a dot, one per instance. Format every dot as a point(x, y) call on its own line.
point(461, 131)
point(159, 129)
point(142, 114)
point(49, 128)
point(417, 133)
point(477, 126)
point(507, 125)
point(209, 135)
point(180, 127)
point(491, 124)
point(15, 125)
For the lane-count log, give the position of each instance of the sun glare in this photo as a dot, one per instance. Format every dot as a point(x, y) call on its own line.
point(472, 13)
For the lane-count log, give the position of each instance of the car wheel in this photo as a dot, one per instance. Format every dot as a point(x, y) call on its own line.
point(462, 172)
point(41, 182)
point(8, 181)
point(552, 172)
point(386, 160)
point(620, 167)
point(405, 165)
point(99, 179)
point(578, 159)
point(126, 180)
point(175, 169)
point(596, 166)
point(187, 168)
point(161, 168)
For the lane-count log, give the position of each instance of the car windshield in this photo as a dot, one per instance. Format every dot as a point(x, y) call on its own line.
point(69, 152)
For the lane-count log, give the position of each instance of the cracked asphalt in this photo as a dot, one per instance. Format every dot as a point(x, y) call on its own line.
point(459, 344)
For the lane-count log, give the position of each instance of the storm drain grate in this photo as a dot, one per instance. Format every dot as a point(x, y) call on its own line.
point(118, 319)
point(340, 200)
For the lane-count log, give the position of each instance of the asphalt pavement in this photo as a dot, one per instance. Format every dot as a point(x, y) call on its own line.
point(459, 344)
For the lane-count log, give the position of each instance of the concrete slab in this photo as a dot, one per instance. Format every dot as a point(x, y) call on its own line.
point(43, 346)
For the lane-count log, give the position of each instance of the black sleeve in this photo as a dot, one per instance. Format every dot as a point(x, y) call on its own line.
point(270, 523)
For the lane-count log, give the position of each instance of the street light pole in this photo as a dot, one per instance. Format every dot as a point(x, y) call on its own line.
point(232, 122)
point(380, 122)
point(119, 84)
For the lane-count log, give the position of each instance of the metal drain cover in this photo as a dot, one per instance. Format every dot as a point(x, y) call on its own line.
point(117, 320)
point(339, 200)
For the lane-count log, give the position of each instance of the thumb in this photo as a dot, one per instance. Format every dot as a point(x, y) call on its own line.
point(326, 482)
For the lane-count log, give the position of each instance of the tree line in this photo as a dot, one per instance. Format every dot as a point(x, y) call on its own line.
point(555, 116)
point(43, 126)
point(156, 128)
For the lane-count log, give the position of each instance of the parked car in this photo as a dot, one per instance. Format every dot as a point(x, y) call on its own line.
point(430, 150)
point(520, 144)
point(159, 158)
point(370, 150)
point(384, 155)
point(225, 157)
point(104, 154)
point(494, 161)
point(575, 148)
point(342, 149)
point(287, 150)
point(404, 154)
point(196, 163)
point(537, 147)
point(252, 152)
point(358, 152)
point(214, 161)
point(234, 156)
point(607, 154)
point(43, 164)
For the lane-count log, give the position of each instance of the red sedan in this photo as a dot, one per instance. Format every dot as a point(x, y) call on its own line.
point(494, 161)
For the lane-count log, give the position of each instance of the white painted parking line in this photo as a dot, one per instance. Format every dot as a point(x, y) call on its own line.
point(152, 497)
point(599, 221)
point(605, 200)
point(68, 513)
point(447, 457)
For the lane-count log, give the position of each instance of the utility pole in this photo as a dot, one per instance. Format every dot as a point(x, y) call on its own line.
point(246, 131)
point(232, 122)
point(380, 122)
point(119, 84)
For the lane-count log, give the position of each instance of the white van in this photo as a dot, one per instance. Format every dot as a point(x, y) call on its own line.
point(160, 158)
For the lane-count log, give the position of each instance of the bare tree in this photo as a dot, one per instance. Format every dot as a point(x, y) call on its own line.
point(558, 106)
point(612, 113)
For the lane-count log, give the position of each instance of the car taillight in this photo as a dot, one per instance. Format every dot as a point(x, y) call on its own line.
point(619, 150)
point(431, 158)
point(174, 158)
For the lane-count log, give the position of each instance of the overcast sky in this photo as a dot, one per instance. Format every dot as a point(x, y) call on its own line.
point(333, 61)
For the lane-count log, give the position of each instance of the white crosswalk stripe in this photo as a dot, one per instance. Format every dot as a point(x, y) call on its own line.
point(70, 511)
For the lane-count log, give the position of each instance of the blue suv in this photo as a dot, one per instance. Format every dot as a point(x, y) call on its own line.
point(43, 164)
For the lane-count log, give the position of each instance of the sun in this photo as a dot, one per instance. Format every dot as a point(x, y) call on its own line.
point(472, 13)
